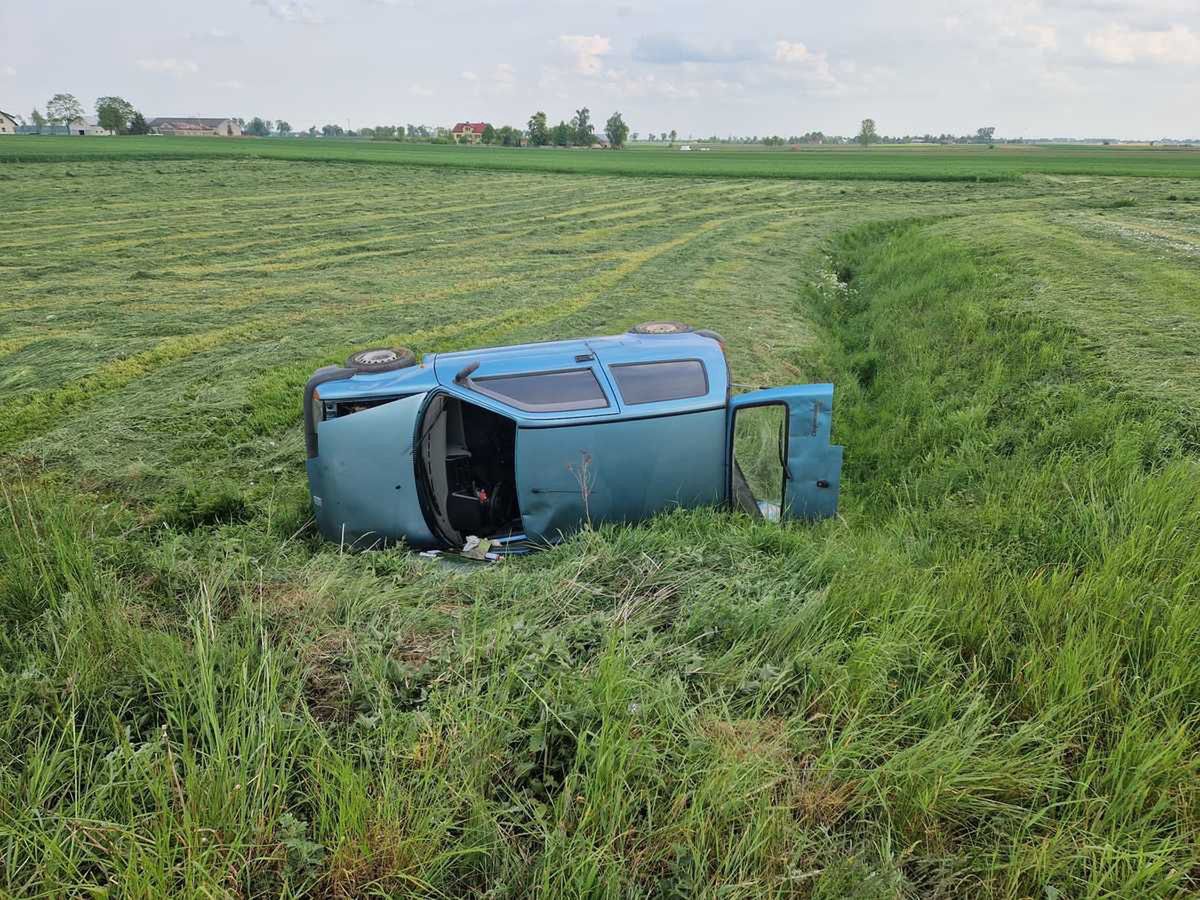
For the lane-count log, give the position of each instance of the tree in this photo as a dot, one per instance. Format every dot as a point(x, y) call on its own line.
point(283, 127)
point(984, 135)
point(561, 134)
point(509, 136)
point(332, 130)
point(634, 136)
point(63, 108)
point(137, 124)
point(672, 135)
point(258, 127)
point(582, 132)
point(539, 131)
point(489, 134)
point(867, 133)
point(39, 120)
point(616, 129)
point(114, 113)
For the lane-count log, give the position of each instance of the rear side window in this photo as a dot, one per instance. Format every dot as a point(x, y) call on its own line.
point(655, 382)
point(546, 391)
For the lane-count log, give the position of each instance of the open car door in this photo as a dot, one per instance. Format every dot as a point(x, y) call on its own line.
point(363, 477)
point(781, 463)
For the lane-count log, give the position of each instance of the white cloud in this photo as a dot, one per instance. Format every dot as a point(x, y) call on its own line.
point(420, 90)
point(798, 59)
point(215, 36)
point(295, 11)
point(672, 49)
point(503, 79)
point(10, 71)
point(1018, 24)
point(230, 85)
point(1177, 45)
point(1040, 37)
point(791, 52)
point(585, 51)
point(169, 66)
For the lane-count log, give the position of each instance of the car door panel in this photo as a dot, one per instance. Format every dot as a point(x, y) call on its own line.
point(619, 471)
point(812, 474)
point(363, 478)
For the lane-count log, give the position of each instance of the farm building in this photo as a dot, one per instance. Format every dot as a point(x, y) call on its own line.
point(471, 132)
point(88, 126)
point(8, 124)
point(195, 127)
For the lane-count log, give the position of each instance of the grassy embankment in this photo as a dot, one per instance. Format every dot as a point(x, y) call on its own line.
point(979, 681)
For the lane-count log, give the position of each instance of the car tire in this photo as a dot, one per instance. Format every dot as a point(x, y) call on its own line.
point(381, 359)
point(661, 328)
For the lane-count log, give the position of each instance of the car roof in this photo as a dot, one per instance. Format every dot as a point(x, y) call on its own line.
point(602, 353)
point(644, 346)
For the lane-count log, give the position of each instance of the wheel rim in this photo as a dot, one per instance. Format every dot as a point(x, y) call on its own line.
point(377, 357)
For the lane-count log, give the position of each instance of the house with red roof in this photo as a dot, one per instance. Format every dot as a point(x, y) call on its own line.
point(468, 132)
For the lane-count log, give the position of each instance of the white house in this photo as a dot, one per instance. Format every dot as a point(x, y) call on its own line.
point(88, 125)
point(8, 124)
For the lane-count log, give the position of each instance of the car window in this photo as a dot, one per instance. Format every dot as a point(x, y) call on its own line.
point(546, 391)
point(654, 382)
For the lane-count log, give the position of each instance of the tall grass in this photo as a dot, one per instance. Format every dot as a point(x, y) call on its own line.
point(980, 682)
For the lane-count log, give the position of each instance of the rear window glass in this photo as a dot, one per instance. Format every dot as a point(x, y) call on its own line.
point(655, 382)
point(546, 391)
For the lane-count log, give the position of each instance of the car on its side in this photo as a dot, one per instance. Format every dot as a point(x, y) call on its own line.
point(525, 444)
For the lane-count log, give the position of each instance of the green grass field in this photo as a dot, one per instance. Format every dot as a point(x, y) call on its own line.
point(981, 680)
point(891, 163)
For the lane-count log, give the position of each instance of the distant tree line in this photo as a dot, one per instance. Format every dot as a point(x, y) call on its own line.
point(868, 134)
point(579, 132)
point(119, 116)
point(114, 113)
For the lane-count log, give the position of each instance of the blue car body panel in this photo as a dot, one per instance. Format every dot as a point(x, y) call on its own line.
point(618, 463)
point(618, 471)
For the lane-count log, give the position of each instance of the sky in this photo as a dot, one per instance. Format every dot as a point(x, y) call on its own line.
point(1031, 68)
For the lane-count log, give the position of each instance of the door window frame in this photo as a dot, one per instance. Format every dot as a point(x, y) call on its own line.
point(784, 449)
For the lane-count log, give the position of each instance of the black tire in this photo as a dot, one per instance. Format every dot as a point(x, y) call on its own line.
point(661, 328)
point(381, 359)
point(704, 332)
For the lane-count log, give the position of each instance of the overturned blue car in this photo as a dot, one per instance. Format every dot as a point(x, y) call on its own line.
point(525, 444)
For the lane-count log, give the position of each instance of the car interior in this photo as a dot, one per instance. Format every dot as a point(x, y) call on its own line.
point(467, 456)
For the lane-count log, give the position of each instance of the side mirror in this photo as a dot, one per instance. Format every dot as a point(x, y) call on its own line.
point(465, 373)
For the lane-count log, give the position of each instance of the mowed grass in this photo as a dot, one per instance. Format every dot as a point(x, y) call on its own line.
point(980, 681)
point(881, 162)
